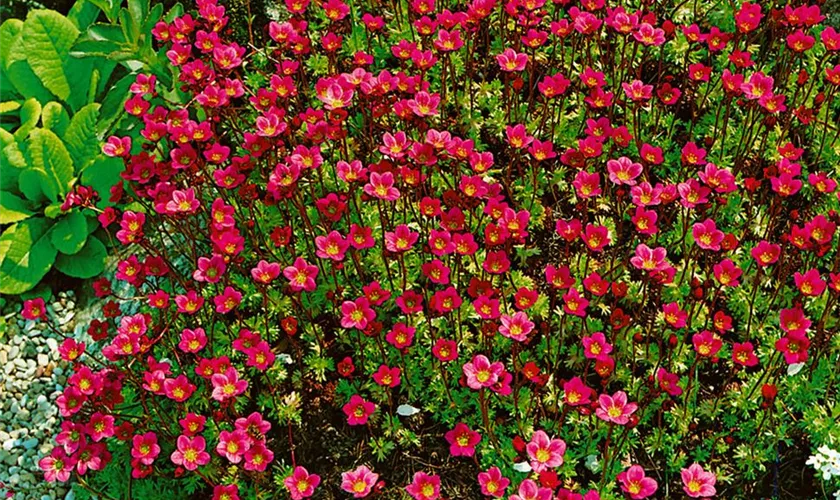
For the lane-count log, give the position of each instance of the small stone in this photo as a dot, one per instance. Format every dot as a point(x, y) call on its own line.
point(30, 443)
point(43, 360)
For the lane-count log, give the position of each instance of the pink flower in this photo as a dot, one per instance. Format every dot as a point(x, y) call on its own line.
point(57, 466)
point(794, 346)
point(648, 259)
point(668, 382)
point(596, 345)
point(401, 239)
point(492, 482)
point(744, 354)
point(706, 235)
point(529, 490)
point(574, 303)
point(596, 237)
point(226, 492)
point(809, 283)
point(357, 314)
point(387, 376)
point(34, 309)
point(192, 340)
point(794, 320)
point(182, 202)
point(265, 272)
point(727, 273)
point(481, 373)
point(697, 482)
point(382, 186)
point(674, 316)
point(332, 246)
point(301, 275)
point(359, 482)
point(706, 343)
point(258, 457)
point(210, 270)
point(227, 385)
point(545, 452)
point(233, 445)
point(424, 486)
point(462, 440)
point(636, 484)
point(577, 393)
point(615, 409)
point(400, 336)
point(145, 448)
point(516, 327)
point(100, 426)
point(301, 484)
point(624, 171)
point(190, 453)
point(358, 410)
point(510, 60)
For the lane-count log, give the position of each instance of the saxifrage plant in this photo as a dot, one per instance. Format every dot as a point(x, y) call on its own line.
point(524, 249)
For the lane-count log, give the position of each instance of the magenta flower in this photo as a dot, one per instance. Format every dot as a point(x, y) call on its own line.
point(424, 486)
point(706, 343)
point(510, 60)
point(698, 483)
point(401, 239)
point(615, 409)
point(357, 314)
point(301, 275)
point(233, 445)
point(34, 309)
point(57, 466)
point(636, 484)
point(358, 410)
point(462, 440)
point(544, 452)
point(668, 382)
point(301, 484)
point(492, 483)
point(530, 490)
point(359, 482)
point(480, 372)
point(265, 272)
point(183, 202)
point(387, 376)
point(706, 235)
point(332, 246)
point(623, 171)
point(382, 186)
point(648, 259)
point(227, 385)
point(727, 273)
point(576, 392)
point(596, 345)
point(516, 327)
point(190, 453)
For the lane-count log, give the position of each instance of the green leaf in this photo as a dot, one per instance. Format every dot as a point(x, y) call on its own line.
point(48, 37)
point(13, 208)
point(80, 138)
point(9, 32)
point(102, 175)
point(29, 183)
point(112, 106)
point(87, 263)
point(52, 161)
point(83, 13)
point(69, 233)
point(30, 113)
point(55, 117)
point(9, 106)
point(27, 255)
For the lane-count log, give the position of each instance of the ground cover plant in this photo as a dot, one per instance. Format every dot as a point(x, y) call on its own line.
point(521, 249)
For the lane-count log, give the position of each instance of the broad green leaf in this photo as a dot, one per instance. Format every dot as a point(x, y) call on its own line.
point(9, 106)
point(13, 208)
point(55, 118)
point(83, 13)
point(51, 159)
point(112, 106)
point(81, 70)
point(87, 263)
point(9, 32)
point(30, 113)
point(30, 182)
point(80, 138)
point(27, 255)
point(68, 235)
point(102, 175)
point(48, 37)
